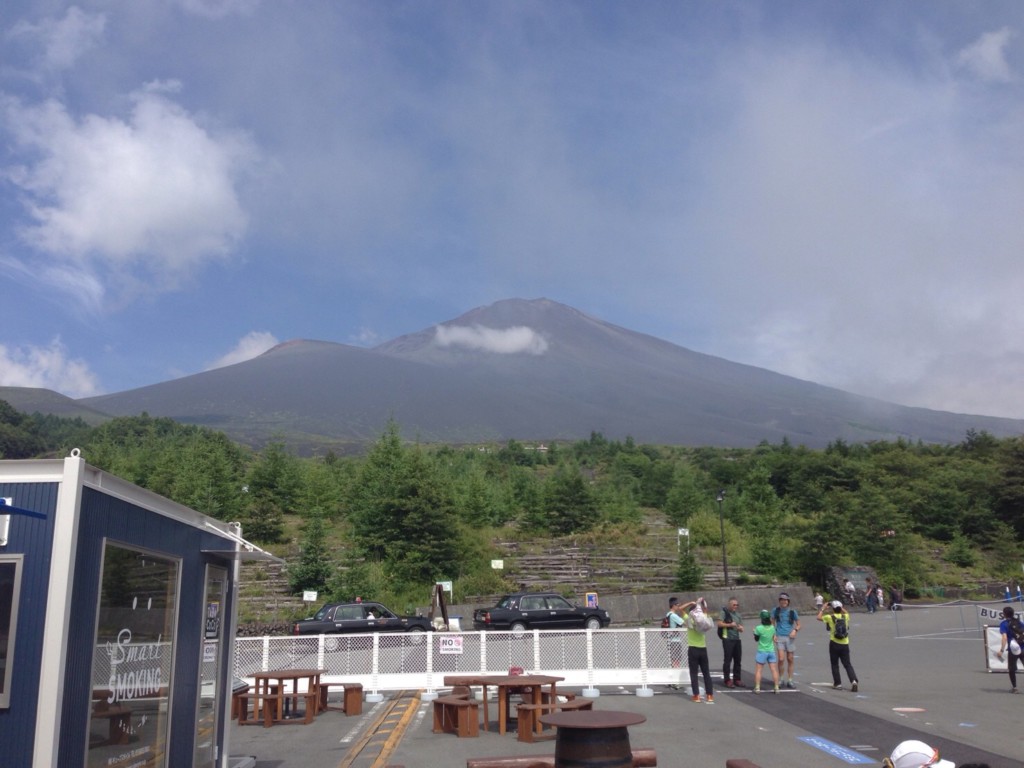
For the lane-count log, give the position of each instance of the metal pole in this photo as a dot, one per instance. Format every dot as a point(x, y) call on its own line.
point(721, 523)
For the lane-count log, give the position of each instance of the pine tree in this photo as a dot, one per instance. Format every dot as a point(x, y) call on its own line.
point(689, 574)
point(314, 568)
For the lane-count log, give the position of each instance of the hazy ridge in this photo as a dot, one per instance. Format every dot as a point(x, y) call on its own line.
point(518, 369)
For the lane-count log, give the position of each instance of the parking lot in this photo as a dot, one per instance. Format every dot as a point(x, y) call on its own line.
point(921, 678)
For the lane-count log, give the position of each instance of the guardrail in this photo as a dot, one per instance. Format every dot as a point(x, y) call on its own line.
point(391, 661)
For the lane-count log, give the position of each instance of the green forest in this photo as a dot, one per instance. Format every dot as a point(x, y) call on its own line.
point(391, 521)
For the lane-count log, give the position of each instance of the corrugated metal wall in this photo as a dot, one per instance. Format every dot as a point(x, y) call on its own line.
point(32, 538)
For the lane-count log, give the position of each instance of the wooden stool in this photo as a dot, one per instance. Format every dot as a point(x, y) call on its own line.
point(351, 698)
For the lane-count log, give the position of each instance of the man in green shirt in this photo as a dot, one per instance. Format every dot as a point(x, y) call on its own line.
point(730, 624)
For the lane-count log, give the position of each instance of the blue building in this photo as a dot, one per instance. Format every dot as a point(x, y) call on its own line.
point(117, 618)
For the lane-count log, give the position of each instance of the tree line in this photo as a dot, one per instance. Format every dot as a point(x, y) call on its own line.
point(392, 521)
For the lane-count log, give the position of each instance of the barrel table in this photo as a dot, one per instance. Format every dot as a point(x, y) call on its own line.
point(598, 737)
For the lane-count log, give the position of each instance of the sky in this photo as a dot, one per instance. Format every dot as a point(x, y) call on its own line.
point(830, 190)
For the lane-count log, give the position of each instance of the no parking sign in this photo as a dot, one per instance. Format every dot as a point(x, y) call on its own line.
point(450, 644)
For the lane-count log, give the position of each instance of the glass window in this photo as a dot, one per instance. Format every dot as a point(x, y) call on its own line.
point(10, 589)
point(324, 614)
point(209, 668)
point(133, 660)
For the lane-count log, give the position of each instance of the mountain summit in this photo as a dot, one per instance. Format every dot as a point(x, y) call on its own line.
point(526, 370)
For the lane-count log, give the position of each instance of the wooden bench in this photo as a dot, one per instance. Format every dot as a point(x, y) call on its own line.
point(266, 707)
point(528, 715)
point(644, 757)
point(236, 702)
point(351, 698)
point(458, 715)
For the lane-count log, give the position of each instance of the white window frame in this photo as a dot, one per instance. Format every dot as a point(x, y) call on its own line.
point(12, 630)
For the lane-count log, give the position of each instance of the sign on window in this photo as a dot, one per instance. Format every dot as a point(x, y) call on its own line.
point(134, 656)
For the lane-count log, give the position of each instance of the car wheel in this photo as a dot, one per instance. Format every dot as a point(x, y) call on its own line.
point(593, 623)
point(518, 629)
point(332, 644)
point(415, 635)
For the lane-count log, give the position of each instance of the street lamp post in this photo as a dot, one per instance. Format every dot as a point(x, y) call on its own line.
point(721, 523)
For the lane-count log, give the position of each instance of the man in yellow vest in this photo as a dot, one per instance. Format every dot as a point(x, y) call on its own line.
point(838, 624)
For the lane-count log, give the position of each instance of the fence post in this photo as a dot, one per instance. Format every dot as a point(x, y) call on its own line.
point(643, 691)
point(430, 693)
point(375, 695)
point(590, 691)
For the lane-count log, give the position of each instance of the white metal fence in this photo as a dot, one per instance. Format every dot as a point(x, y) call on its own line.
point(381, 662)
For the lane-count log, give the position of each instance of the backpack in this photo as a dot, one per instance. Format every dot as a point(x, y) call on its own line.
point(665, 622)
point(792, 615)
point(1016, 630)
point(841, 631)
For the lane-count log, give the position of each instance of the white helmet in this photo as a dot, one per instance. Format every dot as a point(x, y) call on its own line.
point(917, 754)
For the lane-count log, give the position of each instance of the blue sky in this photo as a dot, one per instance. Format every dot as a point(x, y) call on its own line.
point(831, 190)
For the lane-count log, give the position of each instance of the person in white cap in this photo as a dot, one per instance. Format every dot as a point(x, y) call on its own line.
point(838, 625)
point(915, 754)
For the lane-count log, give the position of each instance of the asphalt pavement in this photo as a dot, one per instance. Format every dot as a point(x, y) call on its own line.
point(923, 678)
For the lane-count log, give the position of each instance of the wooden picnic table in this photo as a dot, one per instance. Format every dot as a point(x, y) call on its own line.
point(507, 685)
point(274, 685)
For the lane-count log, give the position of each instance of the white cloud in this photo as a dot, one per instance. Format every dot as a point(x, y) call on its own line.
point(986, 57)
point(64, 40)
point(145, 200)
point(366, 337)
point(503, 341)
point(47, 368)
point(253, 344)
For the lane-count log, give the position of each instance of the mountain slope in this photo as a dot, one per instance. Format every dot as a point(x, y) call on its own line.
point(528, 370)
point(35, 399)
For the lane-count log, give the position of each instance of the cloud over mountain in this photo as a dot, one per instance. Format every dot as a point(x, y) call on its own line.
point(502, 341)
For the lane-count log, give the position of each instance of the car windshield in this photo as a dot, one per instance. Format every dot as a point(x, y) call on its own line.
point(559, 604)
point(323, 613)
point(507, 602)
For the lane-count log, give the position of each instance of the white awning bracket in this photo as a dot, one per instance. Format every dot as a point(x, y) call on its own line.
point(246, 549)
